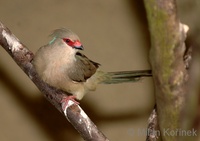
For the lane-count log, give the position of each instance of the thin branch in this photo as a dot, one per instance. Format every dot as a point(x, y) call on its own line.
point(75, 115)
point(152, 129)
point(168, 66)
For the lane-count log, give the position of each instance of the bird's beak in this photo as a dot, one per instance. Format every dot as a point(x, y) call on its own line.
point(78, 45)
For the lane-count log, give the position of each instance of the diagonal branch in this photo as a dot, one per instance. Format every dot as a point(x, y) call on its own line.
point(75, 115)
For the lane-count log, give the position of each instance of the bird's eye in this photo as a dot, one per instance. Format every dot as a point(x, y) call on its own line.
point(67, 40)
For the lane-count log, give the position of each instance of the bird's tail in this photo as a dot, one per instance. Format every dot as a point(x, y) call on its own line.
point(125, 76)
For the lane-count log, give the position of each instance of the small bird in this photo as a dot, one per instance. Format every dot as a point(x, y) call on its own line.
point(61, 65)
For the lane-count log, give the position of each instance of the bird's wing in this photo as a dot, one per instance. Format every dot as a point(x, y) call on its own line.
point(83, 68)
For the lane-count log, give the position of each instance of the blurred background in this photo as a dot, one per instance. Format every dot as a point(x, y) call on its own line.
point(114, 33)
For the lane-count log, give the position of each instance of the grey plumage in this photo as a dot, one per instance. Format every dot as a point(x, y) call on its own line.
point(60, 64)
point(62, 32)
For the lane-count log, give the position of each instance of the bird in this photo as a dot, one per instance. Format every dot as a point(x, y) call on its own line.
point(61, 64)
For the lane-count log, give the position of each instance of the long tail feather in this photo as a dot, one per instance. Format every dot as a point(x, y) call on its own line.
point(126, 76)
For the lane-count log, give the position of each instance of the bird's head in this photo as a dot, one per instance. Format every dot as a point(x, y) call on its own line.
point(67, 37)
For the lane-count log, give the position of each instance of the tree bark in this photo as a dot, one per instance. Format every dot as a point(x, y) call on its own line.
point(169, 69)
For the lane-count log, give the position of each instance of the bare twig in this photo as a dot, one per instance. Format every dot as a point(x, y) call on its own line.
point(152, 129)
point(168, 65)
point(75, 115)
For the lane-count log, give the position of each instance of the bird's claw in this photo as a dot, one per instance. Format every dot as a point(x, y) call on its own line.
point(66, 100)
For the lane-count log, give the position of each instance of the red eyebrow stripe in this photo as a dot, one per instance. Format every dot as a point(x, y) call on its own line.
point(77, 43)
point(70, 43)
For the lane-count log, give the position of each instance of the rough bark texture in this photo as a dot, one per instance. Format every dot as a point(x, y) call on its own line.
point(169, 69)
point(152, 129)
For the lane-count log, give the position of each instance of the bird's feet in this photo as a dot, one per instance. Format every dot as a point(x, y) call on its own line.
point(66, 100)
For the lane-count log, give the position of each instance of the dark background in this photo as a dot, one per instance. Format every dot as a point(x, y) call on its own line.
point(114, 33)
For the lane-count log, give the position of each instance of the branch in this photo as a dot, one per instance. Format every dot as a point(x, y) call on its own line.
point(191, 115)
point(75, 115)
point(152, 129)
point(169, 69)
